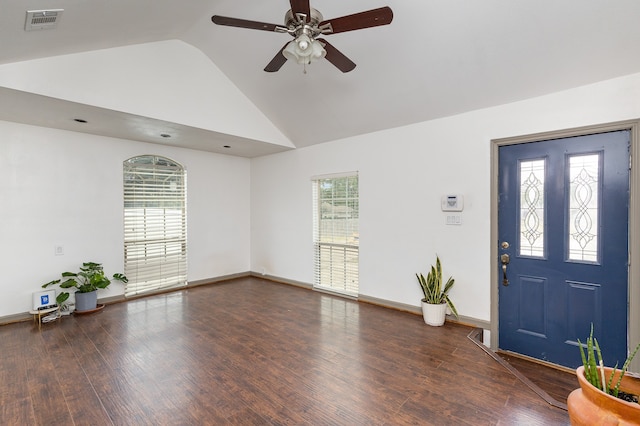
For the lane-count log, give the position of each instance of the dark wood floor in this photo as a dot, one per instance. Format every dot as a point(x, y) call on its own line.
point(254, 352)
point(557, 383)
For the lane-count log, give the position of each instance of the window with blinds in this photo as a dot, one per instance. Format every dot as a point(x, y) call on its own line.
point(335, 233)
point(155, 224)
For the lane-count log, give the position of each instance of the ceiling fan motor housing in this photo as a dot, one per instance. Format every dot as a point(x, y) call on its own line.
point(299, 27)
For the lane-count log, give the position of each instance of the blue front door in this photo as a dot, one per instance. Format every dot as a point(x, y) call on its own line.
point(563, 246)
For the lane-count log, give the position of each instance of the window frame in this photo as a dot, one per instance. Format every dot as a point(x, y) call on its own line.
point(336, 243)
point(155, 224)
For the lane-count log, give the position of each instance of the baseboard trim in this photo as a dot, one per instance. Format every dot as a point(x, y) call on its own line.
point(280, 280)
point(11, 319)
point(537, 361)
point(473, 322)
point(219, 279)
point(390, 304)
point(25, 316)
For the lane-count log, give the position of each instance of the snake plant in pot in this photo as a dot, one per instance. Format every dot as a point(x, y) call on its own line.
point(87, 282)
point(436, 295)
point(606, 395)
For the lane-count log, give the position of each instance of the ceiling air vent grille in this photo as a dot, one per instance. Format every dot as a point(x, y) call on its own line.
point(42, 19)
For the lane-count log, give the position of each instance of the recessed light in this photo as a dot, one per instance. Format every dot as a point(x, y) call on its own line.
point(80, 120)
point(165, 135)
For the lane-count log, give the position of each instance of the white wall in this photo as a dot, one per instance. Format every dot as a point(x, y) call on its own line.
point(65, 188)
point(403, 174)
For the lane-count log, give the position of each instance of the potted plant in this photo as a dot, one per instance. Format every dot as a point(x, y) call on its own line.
point(436, 296)
point(87, 282)
point(606, 395)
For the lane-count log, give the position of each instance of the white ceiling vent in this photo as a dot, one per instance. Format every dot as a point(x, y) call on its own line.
point(42, 19)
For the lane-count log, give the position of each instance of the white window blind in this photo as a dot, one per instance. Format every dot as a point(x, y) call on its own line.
point(155, 224)
point(335, 233)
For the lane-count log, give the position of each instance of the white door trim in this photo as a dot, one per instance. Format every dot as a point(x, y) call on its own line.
point(634, 220)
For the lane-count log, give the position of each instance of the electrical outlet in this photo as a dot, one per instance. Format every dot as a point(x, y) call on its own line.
point(59, 250)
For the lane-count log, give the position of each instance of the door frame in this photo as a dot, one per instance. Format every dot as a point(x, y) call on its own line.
point(633, 284)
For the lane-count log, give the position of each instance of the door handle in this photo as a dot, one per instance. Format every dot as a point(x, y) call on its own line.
point(504, 259)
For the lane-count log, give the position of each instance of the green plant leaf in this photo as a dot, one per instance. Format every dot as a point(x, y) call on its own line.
point(613, 392)
point(582, 355)
point(69, 283)
point(451, 306)
point(591, 362)
point(120, 277)
point(601, 364)
point(62, 297)
point(448, 286)
point(54, 282)
point(625, 367)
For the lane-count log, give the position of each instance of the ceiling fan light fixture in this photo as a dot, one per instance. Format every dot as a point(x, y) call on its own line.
point(304, 50)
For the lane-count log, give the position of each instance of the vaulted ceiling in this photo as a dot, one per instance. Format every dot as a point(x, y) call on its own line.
point(437, 58)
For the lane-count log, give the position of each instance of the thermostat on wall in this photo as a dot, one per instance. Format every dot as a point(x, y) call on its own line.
point(452, 203)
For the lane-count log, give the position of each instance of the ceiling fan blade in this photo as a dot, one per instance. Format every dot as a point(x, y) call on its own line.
point(336, 57)
point(243, 23)
point(277, 62)
point(370, 18)
point(301, 6)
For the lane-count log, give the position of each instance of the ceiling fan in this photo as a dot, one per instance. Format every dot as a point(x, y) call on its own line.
point(306, 24)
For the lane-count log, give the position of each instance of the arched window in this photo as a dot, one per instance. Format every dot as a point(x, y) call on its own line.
point(155, 224)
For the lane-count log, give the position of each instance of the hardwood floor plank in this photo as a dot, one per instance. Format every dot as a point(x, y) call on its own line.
point(40, 379)
point(80, 397)
point(16, 406)
point(12, 376)
point(19, 411)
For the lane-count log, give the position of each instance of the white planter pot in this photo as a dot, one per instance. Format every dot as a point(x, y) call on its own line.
point(434, 314)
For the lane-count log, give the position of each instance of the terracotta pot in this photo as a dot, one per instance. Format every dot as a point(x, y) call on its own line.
point(434, 314)
point(590, 406)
